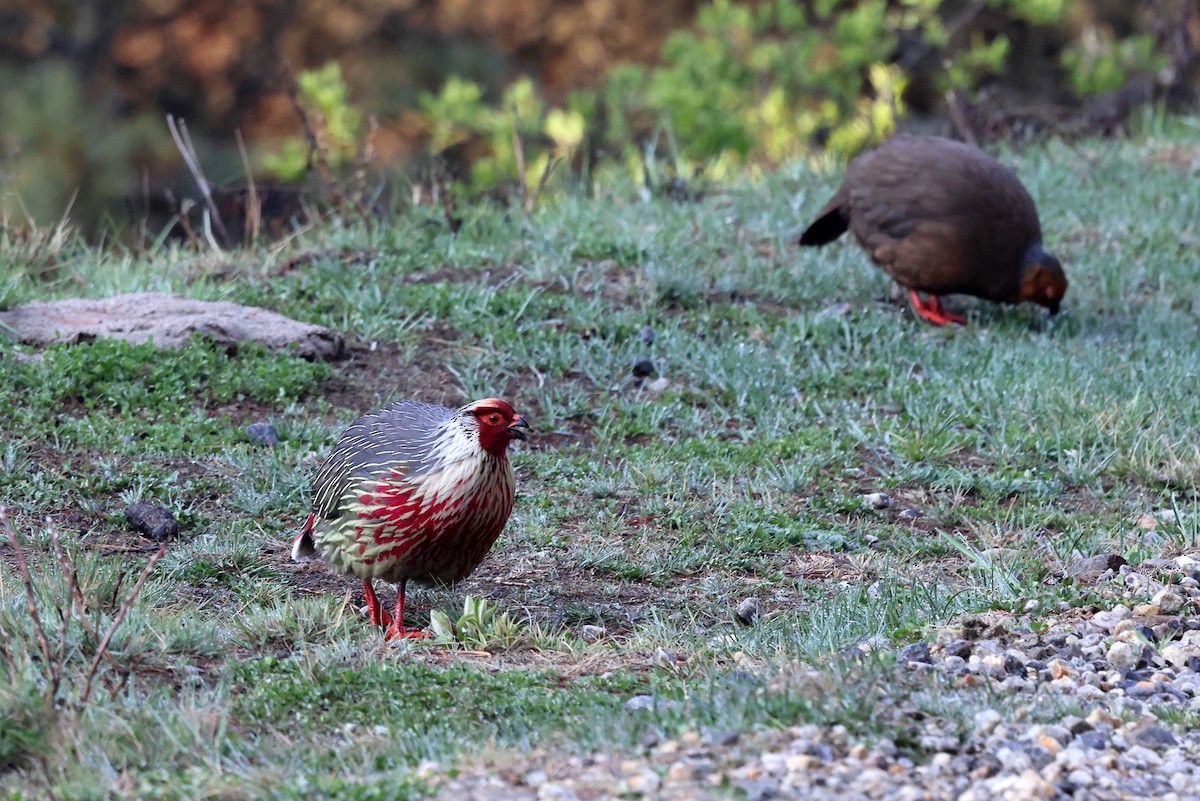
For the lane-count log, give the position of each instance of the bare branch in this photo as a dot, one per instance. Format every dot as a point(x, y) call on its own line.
point(30, 598)
point(126, 605)
point(183, 143)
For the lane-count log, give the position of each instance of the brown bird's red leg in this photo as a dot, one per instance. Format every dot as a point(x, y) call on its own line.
point(375, 611)
point(396, 630)
point(931, 310)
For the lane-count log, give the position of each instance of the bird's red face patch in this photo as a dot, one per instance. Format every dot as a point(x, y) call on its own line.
point(498, 424)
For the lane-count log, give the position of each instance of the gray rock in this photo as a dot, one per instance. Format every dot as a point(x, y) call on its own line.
point(1089, 570)
point(916, 652)
point(748, 611)
point(591, 633)
point(644, 368)
point(263, 433)
point(170, 321)
point(1155, 737)
point(152, 520)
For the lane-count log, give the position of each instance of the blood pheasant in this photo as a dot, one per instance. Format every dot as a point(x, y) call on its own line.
point(413, 491)
point(943, 217)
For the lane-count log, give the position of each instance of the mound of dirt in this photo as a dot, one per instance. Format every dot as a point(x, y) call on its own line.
point(168, 321)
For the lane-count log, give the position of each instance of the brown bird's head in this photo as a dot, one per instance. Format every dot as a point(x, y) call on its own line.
point(1042, 279)
point(496, 422)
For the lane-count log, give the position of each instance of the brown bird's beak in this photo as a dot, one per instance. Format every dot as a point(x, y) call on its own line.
point(515, 428)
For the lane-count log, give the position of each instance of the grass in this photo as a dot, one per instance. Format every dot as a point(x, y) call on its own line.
point(794, 385)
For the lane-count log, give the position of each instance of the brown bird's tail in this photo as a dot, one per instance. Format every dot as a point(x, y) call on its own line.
point(831, 224)
point(303, 547)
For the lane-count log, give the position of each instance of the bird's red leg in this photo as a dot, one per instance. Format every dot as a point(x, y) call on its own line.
point(375, 611)
point(396, 630)
point(932, 311)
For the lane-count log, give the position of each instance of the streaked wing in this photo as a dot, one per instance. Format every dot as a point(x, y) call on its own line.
point(400, 438)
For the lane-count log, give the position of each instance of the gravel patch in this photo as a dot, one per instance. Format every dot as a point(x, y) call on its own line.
point(1130, 666)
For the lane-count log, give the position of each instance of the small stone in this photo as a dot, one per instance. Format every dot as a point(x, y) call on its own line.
point(591, 633)
point(801, 763)
point(648, 335)
point(748, 611)
point(639, 702)
point(986, 721)
point(644, 368)
point(916, 652)
point(535, 778)
point(1061, 670)
point(1089, 570)
point(1051, 745)
point(1178, 654)
point(657, 385)
point(1109, 618)
point(909, 514)
point(665, 658)
point(1080, 777)
point(1123, 656)
point(1099, 716)
point(645, 782)
point(1147, 610)
point(1155, 737)
point(878, 500)
point(154, 521)
point(552, 791)
point(264, 434)
point(1168, 601)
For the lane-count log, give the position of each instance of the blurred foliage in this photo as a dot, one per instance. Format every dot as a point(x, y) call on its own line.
point(324, 98)
point(57, 145)
point(751, 83)
point(1099, 62)
point(458, 115)
point(764, 83)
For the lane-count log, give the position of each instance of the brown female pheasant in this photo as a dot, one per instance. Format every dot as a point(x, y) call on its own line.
point(413, 491)
point(943, 217)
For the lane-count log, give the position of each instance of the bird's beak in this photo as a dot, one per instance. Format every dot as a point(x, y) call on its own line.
point(517, 425)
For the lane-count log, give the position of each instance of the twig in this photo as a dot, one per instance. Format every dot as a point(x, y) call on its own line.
point(30, 599)
point(366, 156)
point(519, 155)
point(531, 204)
point(74, 599)
point(183, 143)
point(253, 205)
point(102, 648)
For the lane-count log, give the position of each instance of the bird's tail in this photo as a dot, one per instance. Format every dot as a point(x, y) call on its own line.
point(831, 224)
point(303, 547)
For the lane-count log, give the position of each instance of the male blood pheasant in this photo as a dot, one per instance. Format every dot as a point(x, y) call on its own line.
point(413, 491)
point(943, 217)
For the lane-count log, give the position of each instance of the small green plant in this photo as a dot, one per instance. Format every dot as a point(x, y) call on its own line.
point(522, 138)
point(324, 97)
point(1098, 62)
point(478, 627)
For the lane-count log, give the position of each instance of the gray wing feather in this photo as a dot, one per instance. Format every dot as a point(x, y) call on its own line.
point(400, 436)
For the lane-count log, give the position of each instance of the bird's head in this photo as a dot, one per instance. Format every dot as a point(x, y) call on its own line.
point(496, 423)
point(1042, 279)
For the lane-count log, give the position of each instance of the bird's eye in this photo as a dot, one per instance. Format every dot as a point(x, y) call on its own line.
point(493, 419)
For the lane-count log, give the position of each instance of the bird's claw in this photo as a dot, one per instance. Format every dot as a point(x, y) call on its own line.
point(395, 632)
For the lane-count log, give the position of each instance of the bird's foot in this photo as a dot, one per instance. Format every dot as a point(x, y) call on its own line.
point(932, 311)
point(375, 612)
point(399, 632)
